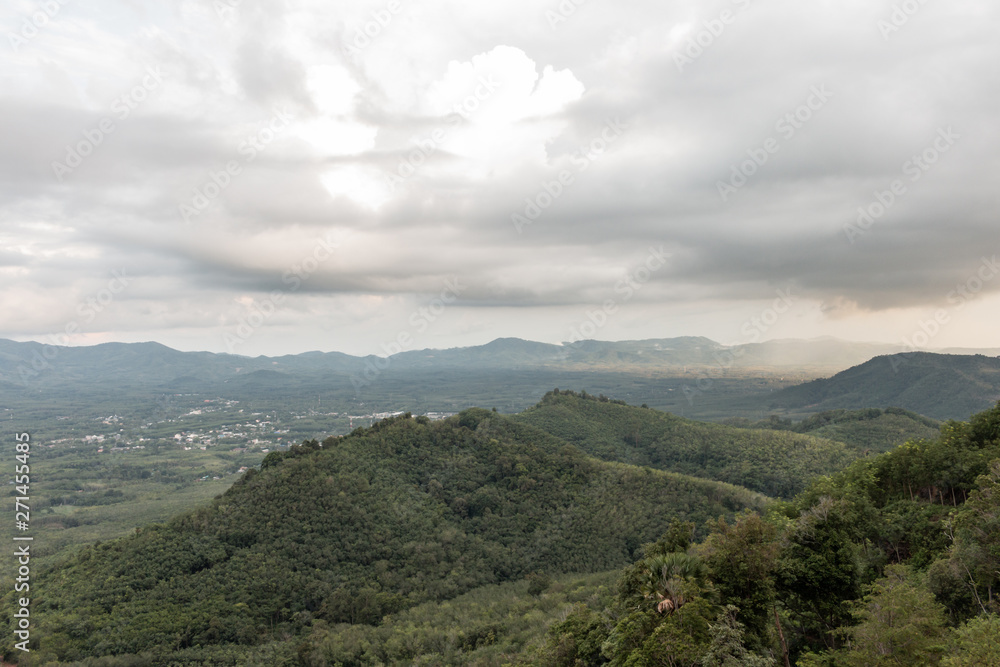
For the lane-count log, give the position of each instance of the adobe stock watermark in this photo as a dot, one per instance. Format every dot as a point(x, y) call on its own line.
point(430, 144)
point(217, 181)
point(121, 108)
point(551, 190)
point(562, 12)
point(914, 168)
point(31, 26)
point(900, 16)
point(419, 321)
point(626, 288)
point(88, 310)
point(369, 31)
point(753, 329)
point(957, 298)
point(705, 38)
point(260, 312)
point(786, 126)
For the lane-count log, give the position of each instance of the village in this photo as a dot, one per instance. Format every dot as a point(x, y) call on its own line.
point(221, 423)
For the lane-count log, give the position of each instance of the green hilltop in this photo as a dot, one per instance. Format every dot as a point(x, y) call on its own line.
point(360, 527)
point(775, 461)
point(583, 531)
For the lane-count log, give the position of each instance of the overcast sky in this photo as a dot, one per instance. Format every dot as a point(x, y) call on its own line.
point(270, 177)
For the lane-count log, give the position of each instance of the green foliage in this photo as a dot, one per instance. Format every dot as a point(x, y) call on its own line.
point(424, 543)
point(538, 583)
point(899, 623)
point(489, 625)
point(872, 429)
point(775, 463)
point(666, 578)
point(647, 638)
point(726, 648)
point(576, 641)
point(742, 559)
point(977, 543)
point(818, 569)
point(975, 644)
point(355, 530)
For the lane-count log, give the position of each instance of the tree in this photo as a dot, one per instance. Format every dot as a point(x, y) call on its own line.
point(977, 545)
point(664, 579)
point(742, 558)
point(726, 648)
point(900, 623)
point(975, 644)
point(538, 583)
point(818, 570)
point(576, 641)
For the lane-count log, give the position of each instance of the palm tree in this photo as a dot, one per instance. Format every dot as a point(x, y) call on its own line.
point(664, 577)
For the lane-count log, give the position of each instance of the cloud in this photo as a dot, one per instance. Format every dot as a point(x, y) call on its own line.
point(418, 148)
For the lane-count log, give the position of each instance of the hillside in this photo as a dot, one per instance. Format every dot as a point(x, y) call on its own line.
point(937, 385)
point(872, 429)
point(892, 561)
point(264, 576)
point(776, 463)
point(405, 512)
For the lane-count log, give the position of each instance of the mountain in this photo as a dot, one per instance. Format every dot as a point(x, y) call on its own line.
point(857, 570)
point(691, 376)
point(418, 542)
point(776, 463)
point(151, 364)
point(941, 386)
point(871, 429)
point(364, 525)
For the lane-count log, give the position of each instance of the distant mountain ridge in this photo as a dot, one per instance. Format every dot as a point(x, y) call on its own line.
point(941, 386)
point(692, 376)
point(23, 363)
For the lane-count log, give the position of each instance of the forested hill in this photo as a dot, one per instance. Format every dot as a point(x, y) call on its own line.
point(893, 561)
point(873, 429)
point(776, 463)
point(354, 529)
point(942, 386)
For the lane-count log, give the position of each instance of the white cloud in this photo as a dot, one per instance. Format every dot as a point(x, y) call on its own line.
point(529, 99)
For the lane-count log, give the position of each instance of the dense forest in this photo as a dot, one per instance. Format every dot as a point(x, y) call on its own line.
point(872, 429)
point(893, 561)
point(491, 539)
point(774, 458)
point(357, 528)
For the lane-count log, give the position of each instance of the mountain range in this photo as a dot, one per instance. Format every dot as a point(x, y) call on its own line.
point(153, 363)
point(692, 376)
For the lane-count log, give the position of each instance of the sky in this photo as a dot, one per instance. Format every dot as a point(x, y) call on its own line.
point(273, 177)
